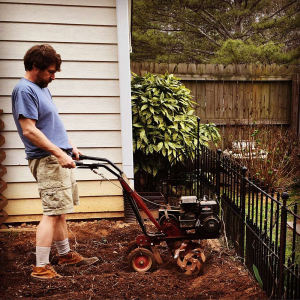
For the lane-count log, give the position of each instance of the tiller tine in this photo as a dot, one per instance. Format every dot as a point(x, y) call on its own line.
point(192, 262)
point(194, 268)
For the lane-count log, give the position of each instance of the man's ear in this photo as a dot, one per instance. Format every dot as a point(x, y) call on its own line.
point(34, 68)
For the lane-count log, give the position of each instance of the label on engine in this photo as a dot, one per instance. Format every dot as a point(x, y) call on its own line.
point(206, 208)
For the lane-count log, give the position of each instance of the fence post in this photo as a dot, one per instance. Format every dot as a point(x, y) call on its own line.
point(198, 158)
point(295, 105)
point(243, 214)
point(218, 174)
point(168, 183)
point(282, 248)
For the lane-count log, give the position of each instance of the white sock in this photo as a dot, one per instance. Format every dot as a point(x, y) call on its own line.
point(63, 247)
point(42, 256)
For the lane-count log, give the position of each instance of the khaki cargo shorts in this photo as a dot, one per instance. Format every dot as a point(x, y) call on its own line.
point(57, 186)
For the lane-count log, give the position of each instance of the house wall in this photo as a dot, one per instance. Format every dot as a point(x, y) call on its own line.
point(86, 93)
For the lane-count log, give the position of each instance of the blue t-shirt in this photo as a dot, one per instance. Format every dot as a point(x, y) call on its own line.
point(36, 103)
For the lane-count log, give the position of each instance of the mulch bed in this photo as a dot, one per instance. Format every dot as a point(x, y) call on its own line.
point(224, 277)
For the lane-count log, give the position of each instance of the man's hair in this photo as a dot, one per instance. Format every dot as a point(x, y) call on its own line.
point(41, 56)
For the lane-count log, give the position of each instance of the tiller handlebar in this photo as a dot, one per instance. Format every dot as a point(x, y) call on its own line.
point(134, 198)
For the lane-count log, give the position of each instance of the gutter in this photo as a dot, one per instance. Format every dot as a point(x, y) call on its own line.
point(123, 29)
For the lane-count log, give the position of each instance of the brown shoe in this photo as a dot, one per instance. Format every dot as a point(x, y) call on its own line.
point(45, 272)
point(74, 258)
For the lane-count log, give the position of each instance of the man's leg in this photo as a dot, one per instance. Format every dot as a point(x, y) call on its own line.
point(65, 255)
point(44, 238)
point(44, 232)
point(60, 236)
point(61, 229)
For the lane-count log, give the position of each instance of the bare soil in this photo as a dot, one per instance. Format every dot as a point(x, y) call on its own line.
point(224, 277)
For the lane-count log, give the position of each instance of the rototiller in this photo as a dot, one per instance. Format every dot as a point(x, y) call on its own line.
point(179, 226)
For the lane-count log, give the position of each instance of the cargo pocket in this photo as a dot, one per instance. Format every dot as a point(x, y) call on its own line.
point(49, 200)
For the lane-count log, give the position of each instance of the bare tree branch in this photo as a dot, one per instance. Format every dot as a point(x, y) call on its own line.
point(204, 34)
point(218, 22)
point(216, 28)
point(287, 41)
point(227, 2)
point(208, 37)
point(281, 9)
point(254, 4)
point(205, 52)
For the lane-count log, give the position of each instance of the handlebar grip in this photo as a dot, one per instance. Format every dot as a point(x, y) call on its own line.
point(81, 156)
point(82, 165)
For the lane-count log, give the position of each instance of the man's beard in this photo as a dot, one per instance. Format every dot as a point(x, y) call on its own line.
point(42, 84)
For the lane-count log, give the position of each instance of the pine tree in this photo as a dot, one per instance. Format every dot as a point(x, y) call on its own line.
point(216, 31)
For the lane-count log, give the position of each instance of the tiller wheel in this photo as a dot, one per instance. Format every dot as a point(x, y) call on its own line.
point(141, 260)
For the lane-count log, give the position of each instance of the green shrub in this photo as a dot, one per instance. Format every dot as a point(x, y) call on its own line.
point(164, 124)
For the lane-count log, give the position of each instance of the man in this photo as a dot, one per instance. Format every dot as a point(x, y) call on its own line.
point(49, 154)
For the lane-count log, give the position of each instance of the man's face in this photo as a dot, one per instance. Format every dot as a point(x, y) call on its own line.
point(44, 77)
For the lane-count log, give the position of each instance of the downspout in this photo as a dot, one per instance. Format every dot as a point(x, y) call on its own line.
point(123, 29)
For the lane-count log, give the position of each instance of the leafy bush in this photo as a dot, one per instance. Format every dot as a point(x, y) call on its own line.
point(164, 124)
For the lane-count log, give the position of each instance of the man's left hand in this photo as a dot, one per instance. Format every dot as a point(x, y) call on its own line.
point(76, 153)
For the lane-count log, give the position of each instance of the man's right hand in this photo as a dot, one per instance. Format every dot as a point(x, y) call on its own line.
point(66, 161)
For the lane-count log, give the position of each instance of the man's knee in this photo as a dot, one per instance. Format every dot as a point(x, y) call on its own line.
point(52, 219)
point(62, 217)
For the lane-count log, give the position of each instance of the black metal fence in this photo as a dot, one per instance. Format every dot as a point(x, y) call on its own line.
point(257, 221)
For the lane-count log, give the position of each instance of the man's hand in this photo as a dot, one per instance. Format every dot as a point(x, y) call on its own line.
point(66, 161)
point(75, 151)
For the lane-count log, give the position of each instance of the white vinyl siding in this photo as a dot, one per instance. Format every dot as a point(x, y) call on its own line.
point(69, 51)
point(71, 122)
point(58, 33)
point(23, 174)
point(86, 92)
point(104, 16)
point(92, 204)
point(103, 105)
point(29, 190)
point(83, 139)
point(94, 3)
point(16, 157)
point(68, 87)
point(70, 70)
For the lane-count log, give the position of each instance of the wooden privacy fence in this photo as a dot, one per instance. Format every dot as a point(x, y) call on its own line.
point(238, 94)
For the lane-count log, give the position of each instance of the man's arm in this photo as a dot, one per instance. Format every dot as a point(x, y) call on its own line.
point(31, 132)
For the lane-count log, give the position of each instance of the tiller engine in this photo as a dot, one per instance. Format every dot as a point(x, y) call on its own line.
point(184, 228)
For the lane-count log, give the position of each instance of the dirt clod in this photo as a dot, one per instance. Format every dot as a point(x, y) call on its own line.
point(110, 278)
